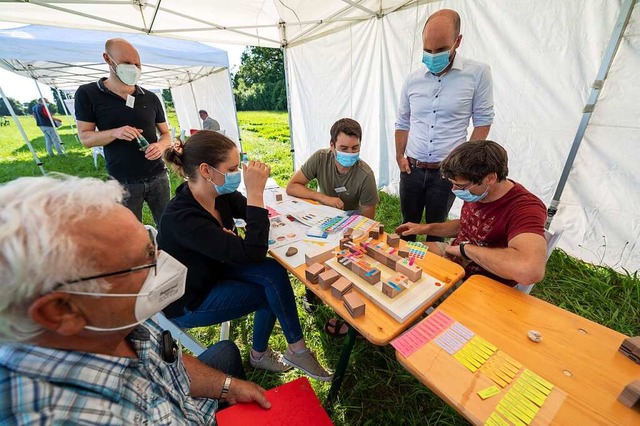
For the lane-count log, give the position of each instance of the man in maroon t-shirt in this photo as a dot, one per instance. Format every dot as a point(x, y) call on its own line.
point(500, 232)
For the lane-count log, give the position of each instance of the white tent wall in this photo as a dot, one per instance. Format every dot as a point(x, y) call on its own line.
point(219, 105)
point(542, 74)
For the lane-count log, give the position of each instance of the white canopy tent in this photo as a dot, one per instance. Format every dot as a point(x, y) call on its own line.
point(66, 58)
point(350, 57)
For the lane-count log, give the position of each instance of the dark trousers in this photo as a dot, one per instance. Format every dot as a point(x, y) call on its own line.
point(424, 190)
point(156, 191)
point(224, 356)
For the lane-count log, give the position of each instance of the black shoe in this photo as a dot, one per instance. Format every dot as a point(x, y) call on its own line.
point(310, 302)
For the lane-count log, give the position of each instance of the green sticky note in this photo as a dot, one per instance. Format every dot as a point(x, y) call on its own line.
point(488, 392)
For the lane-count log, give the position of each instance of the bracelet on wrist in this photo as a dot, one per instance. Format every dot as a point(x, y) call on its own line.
point(225, 388)
point(462, 250)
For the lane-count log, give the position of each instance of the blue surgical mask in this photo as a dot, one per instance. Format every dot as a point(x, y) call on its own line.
point(231, 182)
point(466, 195)
point(436, 62)
point(347, 160)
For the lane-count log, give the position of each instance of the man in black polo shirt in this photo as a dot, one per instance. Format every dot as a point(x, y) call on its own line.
point(116, 113)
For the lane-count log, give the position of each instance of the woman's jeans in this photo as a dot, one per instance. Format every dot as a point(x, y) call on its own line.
point(263, 288)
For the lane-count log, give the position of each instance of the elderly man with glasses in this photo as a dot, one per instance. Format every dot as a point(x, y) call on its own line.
point(80, 279)
point(500, 232)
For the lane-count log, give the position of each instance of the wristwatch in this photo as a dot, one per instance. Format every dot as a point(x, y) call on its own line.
point(225, 388)
point(462, 252)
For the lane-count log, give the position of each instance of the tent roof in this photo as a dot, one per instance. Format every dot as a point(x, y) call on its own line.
point(246, 22)
point(68, 57)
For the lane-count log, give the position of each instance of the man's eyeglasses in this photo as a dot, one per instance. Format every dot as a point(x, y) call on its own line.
point(459, 187)
point(153, 265)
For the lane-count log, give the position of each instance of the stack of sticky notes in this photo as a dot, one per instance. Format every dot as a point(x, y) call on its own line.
point(454, 338)
point(501, 368)
point(421, 334)
point(522, 402)
point(417, 250)
point(475, 353)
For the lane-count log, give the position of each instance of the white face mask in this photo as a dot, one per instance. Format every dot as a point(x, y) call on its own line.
point(127, 73)
point(158, 291)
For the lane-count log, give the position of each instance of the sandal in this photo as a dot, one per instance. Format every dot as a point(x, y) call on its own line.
point(335, 324)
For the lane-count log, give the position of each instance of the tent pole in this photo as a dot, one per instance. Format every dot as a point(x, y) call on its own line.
point(587, 111)
point(53, 125)
point(24, 135)
point(66, 110)
point(283, 41)
point(235, 110)
point(195, 102)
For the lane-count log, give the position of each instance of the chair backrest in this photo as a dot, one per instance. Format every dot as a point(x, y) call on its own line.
point(552, 239)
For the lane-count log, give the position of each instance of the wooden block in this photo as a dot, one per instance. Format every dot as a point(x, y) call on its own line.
point(320, 256)
point(403, 251)
point(326, 278)
point(393, 240)
point(341, 287)
point(348, 232)
point(390, 260)
point(630, 396)
point(372, 276)
point(374, 233)
point(390, 289)
point(630, 347)
point(313, 272)
point(354, 304)
point(343, 242)
point(381, 229)
point(278, 197)
point(414, 272)
point(399, 279)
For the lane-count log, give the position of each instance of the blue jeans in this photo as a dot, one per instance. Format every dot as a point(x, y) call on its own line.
point(51, 138)
point(224, 356)
point(424, 190)
point(154, 190)
point(263, 288)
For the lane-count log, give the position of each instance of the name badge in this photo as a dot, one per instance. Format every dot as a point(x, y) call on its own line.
point(340, 189)
point(130, 101)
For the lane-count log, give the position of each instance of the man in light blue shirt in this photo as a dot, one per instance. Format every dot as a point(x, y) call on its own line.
point(436, 103)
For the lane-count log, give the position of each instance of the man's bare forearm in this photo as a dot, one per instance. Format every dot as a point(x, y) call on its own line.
point(91, 138)
point(447, 229)
point(401, 138)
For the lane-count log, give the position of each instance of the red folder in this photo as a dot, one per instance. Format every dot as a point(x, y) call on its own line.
point(294, 403)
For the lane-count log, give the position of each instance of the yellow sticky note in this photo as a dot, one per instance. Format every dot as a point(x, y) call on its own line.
point(464, 362)
point(488, 392)
point(483, 342)
point(509, 416)
point(497, 419)
point(531, 381)
point(521, 404)
point(523, 400)
point(538, 379)
point(517, 412)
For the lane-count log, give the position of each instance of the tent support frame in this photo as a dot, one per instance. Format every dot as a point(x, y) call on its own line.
point(587, 111)
point(283, 40)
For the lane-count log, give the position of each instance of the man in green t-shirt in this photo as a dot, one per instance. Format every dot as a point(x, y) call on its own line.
point(344, 180)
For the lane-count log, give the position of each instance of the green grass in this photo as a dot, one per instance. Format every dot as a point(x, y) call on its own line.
point(376, 390)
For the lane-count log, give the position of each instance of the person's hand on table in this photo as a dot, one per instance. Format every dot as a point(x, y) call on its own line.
point(454, 251)
point(255, 175)
point(154, 151)
point(126, 133)
point(410, 228)
point(332, 202)
point(243, 391)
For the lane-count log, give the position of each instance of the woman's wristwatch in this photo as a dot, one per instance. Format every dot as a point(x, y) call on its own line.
point(462, 252)
point(225, 388)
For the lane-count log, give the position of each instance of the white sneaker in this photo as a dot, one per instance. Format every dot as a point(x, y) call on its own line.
point(308, 364)
point(270, 361)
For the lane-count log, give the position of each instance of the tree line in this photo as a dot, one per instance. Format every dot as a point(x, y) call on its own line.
point(26, 108)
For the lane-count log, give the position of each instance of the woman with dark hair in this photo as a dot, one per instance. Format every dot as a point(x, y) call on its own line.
point(228, 276)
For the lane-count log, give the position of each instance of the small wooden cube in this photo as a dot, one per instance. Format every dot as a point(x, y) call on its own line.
point(354, 304)
point(313, 272)
point(404, 266)
point(403, 251)
point(372, 276)
point(630, 396)
point(393, 240)
point(381, 229)
point(390, 260)
point(374, 233)
point(630, 347)
point(343, 242)
point(341, 287)
point(348, 232)
point(391, 289)
point(326, 278)
point(278, 197)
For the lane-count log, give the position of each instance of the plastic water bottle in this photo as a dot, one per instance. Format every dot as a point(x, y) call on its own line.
point(142, 143)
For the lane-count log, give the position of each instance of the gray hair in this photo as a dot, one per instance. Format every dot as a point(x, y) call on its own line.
point(38, 248)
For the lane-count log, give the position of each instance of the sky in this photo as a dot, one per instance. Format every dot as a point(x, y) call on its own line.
point(24, 89)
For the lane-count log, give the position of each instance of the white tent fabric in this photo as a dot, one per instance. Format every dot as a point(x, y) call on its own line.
point(66, 58)
point(349, 58)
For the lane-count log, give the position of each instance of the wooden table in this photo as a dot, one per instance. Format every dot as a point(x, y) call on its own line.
point(376, 325)
point(578, 356)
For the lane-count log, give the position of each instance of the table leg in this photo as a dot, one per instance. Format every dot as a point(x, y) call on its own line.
point(338, 375)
